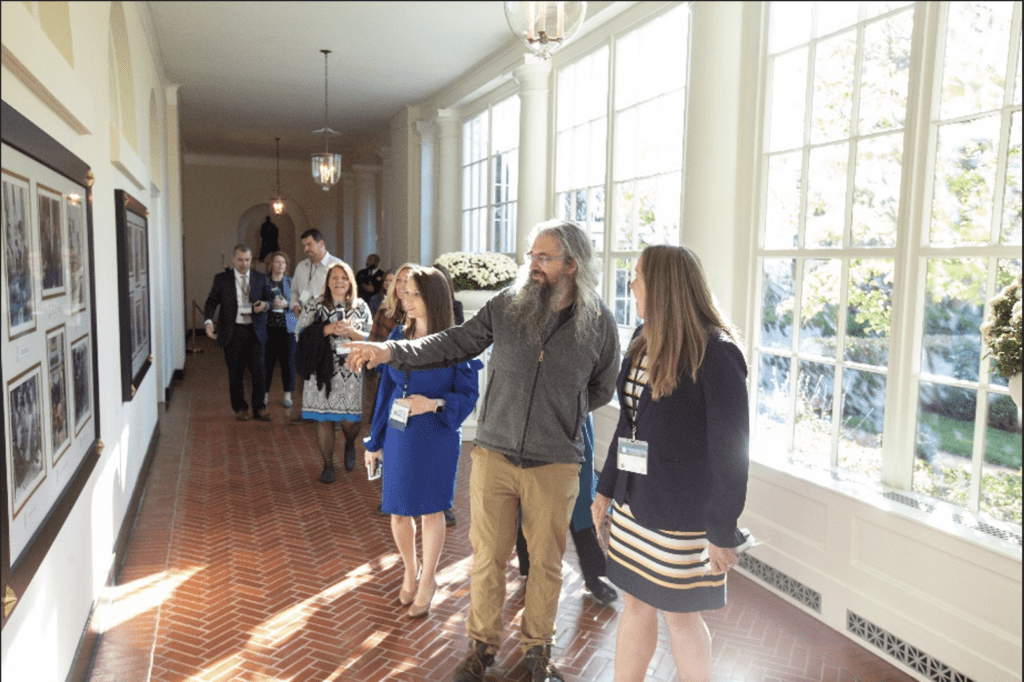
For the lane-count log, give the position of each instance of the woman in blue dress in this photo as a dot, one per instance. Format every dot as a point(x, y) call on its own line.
point(416, 431)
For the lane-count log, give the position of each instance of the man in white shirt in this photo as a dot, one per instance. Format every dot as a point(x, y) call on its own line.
point(243, 297)
point(311, 273)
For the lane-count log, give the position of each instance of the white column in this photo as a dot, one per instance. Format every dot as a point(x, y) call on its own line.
point(447, 219)
point(385, 227)
point(348, 216)
point(427, 131)
point(366, 213)
point(534, 79)
point(175, 230)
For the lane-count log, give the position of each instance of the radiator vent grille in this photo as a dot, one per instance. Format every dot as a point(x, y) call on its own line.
point(909, 655)
point(782, 582)
point(980, 526)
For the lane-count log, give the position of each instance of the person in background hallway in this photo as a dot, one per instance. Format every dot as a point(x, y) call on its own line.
point(243, 297)
point(309, 277)
point(268, 240)
point(370, 279)
point(280, 327)
point(331, 392)
point(378, 298)
point(584, 535)
point(554, 358)
point(421, 455)
point(683, 397)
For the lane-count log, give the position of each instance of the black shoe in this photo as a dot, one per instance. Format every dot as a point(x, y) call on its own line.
point(449, 518)
point(242, 416)
point(538, 662)
point(350, 456)
point(380, 510)
point(474, 667)
point(602, 591)
point(327, 476)
point(262, 417)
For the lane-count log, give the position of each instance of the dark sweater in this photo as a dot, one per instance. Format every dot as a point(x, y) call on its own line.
point(698, 439)
point(314, 355)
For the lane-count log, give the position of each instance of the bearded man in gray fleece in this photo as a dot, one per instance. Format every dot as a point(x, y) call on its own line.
point(555, 358)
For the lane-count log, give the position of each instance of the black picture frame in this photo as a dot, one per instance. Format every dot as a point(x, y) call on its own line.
point(132, 221)
point(54, 304)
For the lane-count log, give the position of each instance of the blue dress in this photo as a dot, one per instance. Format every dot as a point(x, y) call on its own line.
point(422, 462)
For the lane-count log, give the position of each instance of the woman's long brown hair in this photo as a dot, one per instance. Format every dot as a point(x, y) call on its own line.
point(437, 298)
point(351, 295)
point(680, 313)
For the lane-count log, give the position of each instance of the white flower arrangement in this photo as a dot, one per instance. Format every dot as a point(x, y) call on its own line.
point(1001, 331)
point(479, 271)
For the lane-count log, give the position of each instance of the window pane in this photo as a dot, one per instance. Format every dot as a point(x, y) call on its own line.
point(771, 424)
point(874, 9)
point(836, 15)
point(623, 297)
point(826, 196)
point(954, 302)
point(625, 233)
point(863, 416)
point(832, 106)
point(777, 299)
point(945, 442)
point(1011, 231)
point(876, 190)
point(1007, 272)
point(819, 307)
point(812, 432)
point(869, 311)
point(597, 215)
point(782, 212)
point(789, 81)
point(790, 24)
point(974, 68)
point(885, 73)
point(1001, 474)
point(965, 174)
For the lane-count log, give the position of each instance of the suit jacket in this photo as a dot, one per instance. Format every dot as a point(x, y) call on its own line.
point(223, 294)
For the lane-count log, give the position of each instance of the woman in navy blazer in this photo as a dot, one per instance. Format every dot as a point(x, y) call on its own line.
point(280, 327)
point(677, 466)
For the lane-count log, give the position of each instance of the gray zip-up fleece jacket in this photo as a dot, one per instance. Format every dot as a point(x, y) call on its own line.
point(538, 394)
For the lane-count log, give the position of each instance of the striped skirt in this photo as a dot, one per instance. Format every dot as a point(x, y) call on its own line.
point(662, 568)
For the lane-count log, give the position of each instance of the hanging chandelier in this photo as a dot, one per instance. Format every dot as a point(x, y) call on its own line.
point(277, 203)
point(326, 166)
point(545, 27)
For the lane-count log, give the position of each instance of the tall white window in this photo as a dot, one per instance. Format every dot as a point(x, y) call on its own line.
point(644, 72)
point(490, 177)
point(861, 244)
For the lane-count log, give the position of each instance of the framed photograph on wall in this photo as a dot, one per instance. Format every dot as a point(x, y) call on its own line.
point(133, 290)
point(49, 393)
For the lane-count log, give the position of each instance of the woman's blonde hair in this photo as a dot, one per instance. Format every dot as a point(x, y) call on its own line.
point(680, 313)
point(391, 306)
point(351, 295)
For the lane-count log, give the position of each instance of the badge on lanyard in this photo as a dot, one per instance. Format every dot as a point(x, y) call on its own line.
point(399, 416)
point(632, 456)
point(245, 309)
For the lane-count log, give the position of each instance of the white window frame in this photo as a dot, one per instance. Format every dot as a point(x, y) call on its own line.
point(486, 241)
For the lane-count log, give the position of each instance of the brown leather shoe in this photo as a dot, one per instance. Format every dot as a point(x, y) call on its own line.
point(474, 668)
point(262, 417)
point(242, 416)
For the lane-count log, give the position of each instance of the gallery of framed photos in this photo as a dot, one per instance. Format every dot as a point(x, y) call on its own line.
point(49, 395)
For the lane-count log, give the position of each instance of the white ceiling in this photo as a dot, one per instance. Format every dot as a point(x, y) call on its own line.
point(253, 71)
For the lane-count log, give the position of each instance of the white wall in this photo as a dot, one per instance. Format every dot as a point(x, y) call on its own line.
point(72, 105)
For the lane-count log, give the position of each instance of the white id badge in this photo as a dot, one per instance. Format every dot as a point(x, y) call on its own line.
point(399, 416)
point(632, 456)
point(245, 309)
point(304, 296)
point(341, 347)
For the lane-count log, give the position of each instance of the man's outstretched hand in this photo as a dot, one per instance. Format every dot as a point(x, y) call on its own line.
point(368, 354)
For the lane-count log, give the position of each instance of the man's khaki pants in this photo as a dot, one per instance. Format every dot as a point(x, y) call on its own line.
point(547, 494)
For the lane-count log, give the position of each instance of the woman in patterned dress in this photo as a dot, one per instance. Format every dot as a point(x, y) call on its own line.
point(338, 316)
point(677, 466)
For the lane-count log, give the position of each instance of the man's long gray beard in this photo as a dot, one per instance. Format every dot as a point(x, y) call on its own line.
point(531, 309)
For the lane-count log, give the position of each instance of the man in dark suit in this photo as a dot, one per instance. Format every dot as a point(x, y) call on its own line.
point(243, 297)
point(370, 279)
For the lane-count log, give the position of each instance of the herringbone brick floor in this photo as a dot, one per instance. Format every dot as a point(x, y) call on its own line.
point(243, 567)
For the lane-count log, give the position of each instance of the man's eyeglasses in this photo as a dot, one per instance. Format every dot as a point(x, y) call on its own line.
point(542, 260)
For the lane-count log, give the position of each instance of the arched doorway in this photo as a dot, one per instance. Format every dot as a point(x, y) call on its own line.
point(249, 232)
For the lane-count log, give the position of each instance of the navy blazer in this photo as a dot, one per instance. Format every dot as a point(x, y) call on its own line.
point(223, 294)
point(698, 440)
point(289, 317)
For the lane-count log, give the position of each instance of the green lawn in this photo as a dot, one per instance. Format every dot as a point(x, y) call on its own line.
point(956, 437)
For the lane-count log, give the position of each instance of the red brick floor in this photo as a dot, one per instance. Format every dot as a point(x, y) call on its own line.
point(243, 567)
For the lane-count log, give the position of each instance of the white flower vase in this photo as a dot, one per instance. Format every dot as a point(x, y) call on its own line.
point(472, 301)
point(1015, 389)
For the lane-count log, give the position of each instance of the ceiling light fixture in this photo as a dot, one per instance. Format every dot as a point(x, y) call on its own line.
point(326, 166)
point(545, 27)
point(277, 203)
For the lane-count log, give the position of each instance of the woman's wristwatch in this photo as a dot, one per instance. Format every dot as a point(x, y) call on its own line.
point(438, 405)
